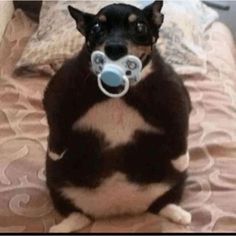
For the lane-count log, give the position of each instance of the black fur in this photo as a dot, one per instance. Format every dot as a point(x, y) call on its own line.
point(160, 98)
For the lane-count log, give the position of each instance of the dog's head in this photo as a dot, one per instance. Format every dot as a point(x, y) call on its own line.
point(121, 29)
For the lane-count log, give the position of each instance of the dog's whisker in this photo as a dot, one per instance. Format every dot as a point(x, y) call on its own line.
point(142, 56)
point(146, 59)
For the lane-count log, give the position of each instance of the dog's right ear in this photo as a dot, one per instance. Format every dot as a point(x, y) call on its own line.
point(153, 12)
point(82, 19)
point(154, 16)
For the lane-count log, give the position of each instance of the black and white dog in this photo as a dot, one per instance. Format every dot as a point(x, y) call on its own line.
point(109, 156)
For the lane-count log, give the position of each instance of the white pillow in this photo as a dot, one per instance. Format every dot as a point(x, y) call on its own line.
point(182, 39)
point(6, 12)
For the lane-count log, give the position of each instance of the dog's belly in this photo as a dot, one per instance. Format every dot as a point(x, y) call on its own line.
point(115, 196)
point(115, 120)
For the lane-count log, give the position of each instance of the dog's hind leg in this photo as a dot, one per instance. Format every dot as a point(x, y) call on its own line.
point(167, 205)
point(74, 222)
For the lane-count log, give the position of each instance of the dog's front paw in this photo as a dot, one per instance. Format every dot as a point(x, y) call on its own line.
point(176, 214)
point(60, 228)
point(72, 223)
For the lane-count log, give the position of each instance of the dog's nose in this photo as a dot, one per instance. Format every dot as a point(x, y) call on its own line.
point(115, 50)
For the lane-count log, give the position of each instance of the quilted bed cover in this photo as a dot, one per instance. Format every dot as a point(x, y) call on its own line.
point(210, 193)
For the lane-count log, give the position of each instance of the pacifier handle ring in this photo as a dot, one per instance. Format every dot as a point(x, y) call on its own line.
point(126, 88)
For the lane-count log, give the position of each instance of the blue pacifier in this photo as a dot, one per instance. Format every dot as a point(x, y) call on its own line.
point(122, 72)
point(112, 75)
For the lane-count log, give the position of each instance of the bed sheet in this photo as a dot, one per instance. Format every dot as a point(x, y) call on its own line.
point(210, 193)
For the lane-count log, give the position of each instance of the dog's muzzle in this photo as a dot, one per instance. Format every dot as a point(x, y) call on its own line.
point(122, 72)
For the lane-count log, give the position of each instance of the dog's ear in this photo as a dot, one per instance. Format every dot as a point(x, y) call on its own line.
point(82, 19)
point(154, 16)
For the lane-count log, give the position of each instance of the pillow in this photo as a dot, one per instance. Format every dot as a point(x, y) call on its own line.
point(6, 12)
point(182, 36)
point(57, 39)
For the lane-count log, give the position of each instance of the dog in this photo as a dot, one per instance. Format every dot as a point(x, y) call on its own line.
point(113, 156)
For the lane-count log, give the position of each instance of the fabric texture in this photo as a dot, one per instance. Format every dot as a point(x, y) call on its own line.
point(181, 36)
point(6, 12)
point(210, 192)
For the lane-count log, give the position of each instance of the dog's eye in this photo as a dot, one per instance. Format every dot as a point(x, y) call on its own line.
point(96, 28)
point(141, 28)
point(142, 34)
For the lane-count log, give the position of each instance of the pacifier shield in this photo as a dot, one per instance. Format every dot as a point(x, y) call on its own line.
point(112, 76)
point(122, 72)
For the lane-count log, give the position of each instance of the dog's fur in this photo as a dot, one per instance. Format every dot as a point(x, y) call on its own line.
point(125, 155)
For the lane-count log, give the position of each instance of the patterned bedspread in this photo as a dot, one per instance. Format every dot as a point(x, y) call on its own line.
point(210, 193)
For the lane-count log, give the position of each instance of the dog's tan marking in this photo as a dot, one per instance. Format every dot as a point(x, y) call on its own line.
point(116, 120)
point(132, 18)
point(102, 18)
point(115, 196)
point(138, 50)
point(101, 47)
point(148, 69)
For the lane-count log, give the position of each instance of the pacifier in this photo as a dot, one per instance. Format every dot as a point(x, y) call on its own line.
point(122, 72)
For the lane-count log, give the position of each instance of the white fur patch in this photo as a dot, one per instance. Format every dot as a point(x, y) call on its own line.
point(176, 214)
point(115, 120)
point(116, 195)
point(54, 156)
point(181, 163)
point(72, 223)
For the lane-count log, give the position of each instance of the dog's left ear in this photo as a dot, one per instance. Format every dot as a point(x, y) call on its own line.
point(154, 16)
point(82, 19)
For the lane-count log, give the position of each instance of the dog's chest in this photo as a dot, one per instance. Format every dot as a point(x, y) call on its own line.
point(115, 120)
point(116, 195)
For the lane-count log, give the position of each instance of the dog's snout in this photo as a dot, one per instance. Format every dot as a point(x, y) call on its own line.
point(115, 50)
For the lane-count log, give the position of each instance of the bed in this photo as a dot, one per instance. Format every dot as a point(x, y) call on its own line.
point(210, 193)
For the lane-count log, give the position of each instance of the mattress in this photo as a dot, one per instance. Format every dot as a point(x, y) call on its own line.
point(210, 193)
